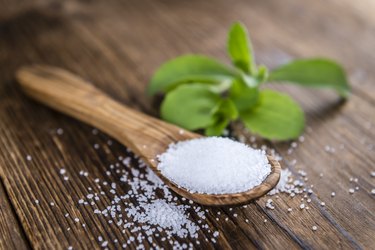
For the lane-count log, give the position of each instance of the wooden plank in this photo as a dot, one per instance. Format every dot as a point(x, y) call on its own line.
point(117, 48)
point(11, 233)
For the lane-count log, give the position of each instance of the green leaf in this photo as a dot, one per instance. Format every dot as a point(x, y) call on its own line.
point(276, 116)
point(313, 73)
point(243, 97)
point(250, 81)
point(217, 128)
point(262, 74)
point(228, 109)
point(191, 106)
point(240, 49)
point(226, 112)
point(189, 68)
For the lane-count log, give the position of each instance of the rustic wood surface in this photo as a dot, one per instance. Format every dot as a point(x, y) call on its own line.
point(117, 45)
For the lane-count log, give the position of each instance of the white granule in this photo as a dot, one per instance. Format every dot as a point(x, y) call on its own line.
point(372, 173)
point(214, 165)
point(314, 228)
point(29, 158)
point(62, 171)
point(269, 204)
point(333, 194)
point(373, 191)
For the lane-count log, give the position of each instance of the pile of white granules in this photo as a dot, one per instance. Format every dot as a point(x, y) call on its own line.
point(214, 165)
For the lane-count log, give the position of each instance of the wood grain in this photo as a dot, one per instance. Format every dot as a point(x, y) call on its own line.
point(118, 44)
point(12, 236)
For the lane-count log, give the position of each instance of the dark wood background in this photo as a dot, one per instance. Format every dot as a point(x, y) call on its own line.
point(117, 45)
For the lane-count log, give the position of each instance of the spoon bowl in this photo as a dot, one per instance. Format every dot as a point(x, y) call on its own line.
point(146, 136)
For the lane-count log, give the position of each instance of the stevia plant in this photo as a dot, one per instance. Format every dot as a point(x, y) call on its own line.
point(203, 93)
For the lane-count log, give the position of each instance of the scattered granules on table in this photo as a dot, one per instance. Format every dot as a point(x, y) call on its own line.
point(144, 207)
point(214, 165)
point(287, 184)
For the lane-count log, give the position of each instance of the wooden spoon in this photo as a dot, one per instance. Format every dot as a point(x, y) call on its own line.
point(144, 135)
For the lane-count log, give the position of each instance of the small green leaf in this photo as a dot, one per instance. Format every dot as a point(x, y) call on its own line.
point(225, 113)
point(262, 74)
point(276, 116)
point(240, 49)
point(243, 96)
point(191, 106)
point(189, 68)
point(228, 109)
point(217, 128)
point(250, 81)
point(313, 73)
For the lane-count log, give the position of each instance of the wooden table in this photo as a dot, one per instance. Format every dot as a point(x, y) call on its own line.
point(117, 45)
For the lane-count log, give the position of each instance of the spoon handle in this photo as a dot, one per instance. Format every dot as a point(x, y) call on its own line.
point(69, 94)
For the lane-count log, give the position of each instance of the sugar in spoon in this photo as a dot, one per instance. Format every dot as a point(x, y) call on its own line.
point(146, 136)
